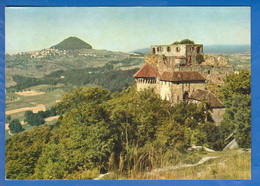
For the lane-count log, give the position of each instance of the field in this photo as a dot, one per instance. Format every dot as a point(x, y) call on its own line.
point(34, 100)
point(240, 61)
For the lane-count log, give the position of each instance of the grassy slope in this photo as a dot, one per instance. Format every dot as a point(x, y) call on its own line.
point(233, 164)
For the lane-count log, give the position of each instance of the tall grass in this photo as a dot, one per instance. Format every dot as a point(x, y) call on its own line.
point(156, 164)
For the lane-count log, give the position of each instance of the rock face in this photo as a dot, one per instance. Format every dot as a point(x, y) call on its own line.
point(72, 43)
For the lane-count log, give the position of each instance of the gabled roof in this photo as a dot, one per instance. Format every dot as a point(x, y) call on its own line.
point(201, 95)
point(146, 71)
point(179, 76)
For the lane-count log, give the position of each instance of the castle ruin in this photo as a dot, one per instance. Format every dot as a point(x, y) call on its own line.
point(180, 72)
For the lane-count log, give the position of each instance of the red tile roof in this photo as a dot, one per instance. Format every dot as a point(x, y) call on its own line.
point(213, 101)
point(179, 76)
point(146, 71)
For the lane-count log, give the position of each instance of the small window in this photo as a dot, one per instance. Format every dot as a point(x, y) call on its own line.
point(178, 49)
point(153, 50)
point(158, 49)
point(168, 49)
point(208, 71)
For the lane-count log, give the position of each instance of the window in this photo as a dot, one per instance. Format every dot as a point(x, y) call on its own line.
point(168, 49)
point(185, 96)
point(158, 49)
point(153, 50)
point(178, 49)
point(198, 50)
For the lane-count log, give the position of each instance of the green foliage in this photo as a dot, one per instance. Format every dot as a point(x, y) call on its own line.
point(72, 43)
point(239, 84)
point(199, 58)
point(187, 41)
point(8, 118)
point(129, 130)
point(23, 151)
point(15, 126)
point(176, 43)
point(118, 79)
point(36, 119)
point(33, 119)
point(236, 94)
point(184, 41)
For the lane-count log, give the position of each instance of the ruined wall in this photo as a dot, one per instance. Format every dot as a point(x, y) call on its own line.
point(217, 115)
point(160, 63)
point(215, 60)
point(193, 51)
point(215, 74)
point(168, 50)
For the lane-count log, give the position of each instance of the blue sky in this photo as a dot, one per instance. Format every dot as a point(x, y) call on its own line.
point(125, 28)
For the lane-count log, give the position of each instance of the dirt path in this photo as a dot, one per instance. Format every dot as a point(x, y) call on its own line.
point(169, 168)
point(35, 109)
point(29, 93)
point(155, 171)
point(10, 132)
point(101, 176)
point(51, 118)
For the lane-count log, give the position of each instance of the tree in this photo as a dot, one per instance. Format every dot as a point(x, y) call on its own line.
point(199, 58)
point(184, 41)
point(8, 118)
point(23, 151)
point(15, 126)
point(187, 41)
point(236, 95)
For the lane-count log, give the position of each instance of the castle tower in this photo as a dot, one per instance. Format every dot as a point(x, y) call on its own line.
point(146, 77)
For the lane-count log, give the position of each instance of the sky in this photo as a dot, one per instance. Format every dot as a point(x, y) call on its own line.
point(125, 28)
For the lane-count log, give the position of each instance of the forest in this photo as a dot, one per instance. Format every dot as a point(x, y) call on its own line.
point(126, 132)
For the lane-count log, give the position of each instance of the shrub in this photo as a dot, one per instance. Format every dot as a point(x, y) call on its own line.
point(15, 126)
point(199, 58)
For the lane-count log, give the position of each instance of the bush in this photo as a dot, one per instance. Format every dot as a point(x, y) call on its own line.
point(199, 58)
point(15, 126)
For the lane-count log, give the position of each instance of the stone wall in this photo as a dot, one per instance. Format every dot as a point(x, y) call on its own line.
point(143, 83)
point(168, 50)
point(174, 91)
point(215, 60)
point(214, 74)
point(217, 115)
point(160, 63)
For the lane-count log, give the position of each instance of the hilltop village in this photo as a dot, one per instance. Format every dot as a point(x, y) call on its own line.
point(180, 72)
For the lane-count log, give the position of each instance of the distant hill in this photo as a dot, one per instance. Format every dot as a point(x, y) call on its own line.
point(72, 43)
point(213, 49)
